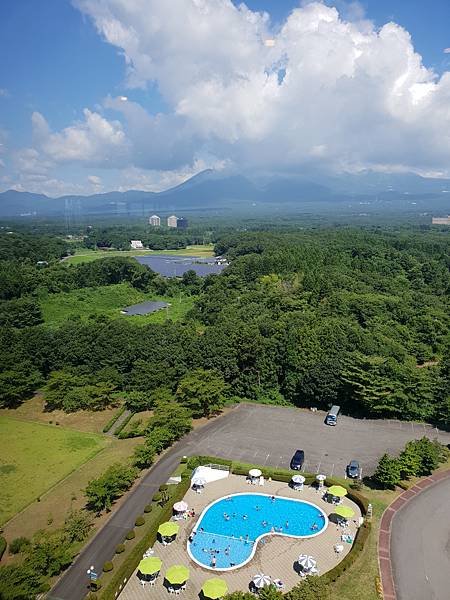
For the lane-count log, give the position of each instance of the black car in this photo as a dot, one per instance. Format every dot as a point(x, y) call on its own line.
point(353, 469)
point(297, 460)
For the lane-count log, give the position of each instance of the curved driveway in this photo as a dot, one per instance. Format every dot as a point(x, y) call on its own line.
point(252, 433)
point(420, 545)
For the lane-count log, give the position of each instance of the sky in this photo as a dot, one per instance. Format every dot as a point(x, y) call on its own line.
point(100, 95)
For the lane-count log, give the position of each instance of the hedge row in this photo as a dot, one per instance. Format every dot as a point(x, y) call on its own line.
point(126, 569)
point(361, 537)
point(2, 546)
point(113, 419)
point(121, 434)
point(285, 475)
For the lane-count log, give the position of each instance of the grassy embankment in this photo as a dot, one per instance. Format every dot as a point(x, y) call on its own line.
point(55, 459)
point(35, 457)
point(83, 255)
point(109, 300)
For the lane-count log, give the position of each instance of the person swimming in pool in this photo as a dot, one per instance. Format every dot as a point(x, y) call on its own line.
point(264, 523)
point(314, 527)
point(244, 517)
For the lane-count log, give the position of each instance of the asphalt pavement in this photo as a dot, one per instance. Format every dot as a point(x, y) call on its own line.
point(264, 435)
point(420, 546)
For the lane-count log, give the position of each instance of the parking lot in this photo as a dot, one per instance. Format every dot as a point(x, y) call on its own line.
point(269, 435)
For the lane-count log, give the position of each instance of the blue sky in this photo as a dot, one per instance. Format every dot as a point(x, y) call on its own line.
point(65, 67)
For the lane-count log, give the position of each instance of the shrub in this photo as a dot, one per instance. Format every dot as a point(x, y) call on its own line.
point(2, 546)
point(139, 521)
point(108, 566)
point(163, 488)
point(120, 548)
point(387, 474)
point(19, 544)
point(130, 535)
point(148, 508)
point(157, 497)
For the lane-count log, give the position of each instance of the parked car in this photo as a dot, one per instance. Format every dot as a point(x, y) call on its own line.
point(353, 469)
point(297, 460)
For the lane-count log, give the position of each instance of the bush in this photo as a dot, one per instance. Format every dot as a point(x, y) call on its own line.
point(157, 497)
point(120, 548)
point(130, 535)
point(163, 488)
point(148, 508)
point(19, 544)
point(2, 546)
point(139, 521)
point(108, 566)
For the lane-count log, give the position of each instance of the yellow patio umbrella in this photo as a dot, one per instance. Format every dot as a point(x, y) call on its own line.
point(168, 529)
point(150, 565)
point(337, 490)
point(344, 511)
point(215, 588)
point(177, 574)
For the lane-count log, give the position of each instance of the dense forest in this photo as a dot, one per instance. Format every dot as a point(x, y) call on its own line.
point(310, 317)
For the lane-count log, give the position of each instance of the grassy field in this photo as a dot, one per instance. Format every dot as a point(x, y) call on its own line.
point(35, 457)
point(85, 255)
point(108, 300)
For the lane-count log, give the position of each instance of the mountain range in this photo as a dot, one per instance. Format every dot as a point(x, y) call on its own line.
point(213, 191)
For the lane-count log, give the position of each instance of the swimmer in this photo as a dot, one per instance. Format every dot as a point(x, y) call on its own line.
point(244, 517)
point(201, 529)
point(272, 498)
point(264, 523)
point(257, 507)
point(314, 527)
point(287, 524)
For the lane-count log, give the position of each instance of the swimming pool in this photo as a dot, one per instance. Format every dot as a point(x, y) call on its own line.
point(228, 530)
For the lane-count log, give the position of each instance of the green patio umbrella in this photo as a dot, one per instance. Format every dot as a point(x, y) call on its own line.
point(177, 574)
point(344, 511)
point(150, 565)
point(168, 529)
point(214, 588)
point(337, 490)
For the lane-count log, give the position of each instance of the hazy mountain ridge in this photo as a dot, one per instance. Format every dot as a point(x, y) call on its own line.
point(212, 190)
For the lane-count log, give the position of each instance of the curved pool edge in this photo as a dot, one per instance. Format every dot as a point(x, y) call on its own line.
point(257, 540)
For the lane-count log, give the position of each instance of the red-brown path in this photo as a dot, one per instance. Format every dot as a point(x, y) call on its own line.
point(384, 536)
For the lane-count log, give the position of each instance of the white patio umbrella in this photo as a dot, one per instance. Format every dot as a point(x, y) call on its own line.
point(260, 580)
point(255, 473)
point(199, 482)
point(180, 506)
point(298, 479)
point(306, 561)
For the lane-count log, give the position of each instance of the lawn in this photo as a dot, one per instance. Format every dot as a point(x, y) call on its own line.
point(108, 300)
point(35, 457)
point(83, 255)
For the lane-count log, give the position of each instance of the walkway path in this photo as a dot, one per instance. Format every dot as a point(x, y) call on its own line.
point(118, 424)
point(414, 542)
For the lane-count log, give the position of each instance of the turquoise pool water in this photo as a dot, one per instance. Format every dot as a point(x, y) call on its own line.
point(228, 529)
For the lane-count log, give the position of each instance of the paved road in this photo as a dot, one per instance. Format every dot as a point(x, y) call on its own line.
point(420, 546)
point(265, 435)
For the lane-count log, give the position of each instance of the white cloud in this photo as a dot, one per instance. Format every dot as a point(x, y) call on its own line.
point(360, 94)
point(93, 140)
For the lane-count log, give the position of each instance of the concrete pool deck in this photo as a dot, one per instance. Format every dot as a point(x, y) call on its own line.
point(276, 557)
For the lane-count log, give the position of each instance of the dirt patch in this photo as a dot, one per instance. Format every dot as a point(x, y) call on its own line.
point(83, 420)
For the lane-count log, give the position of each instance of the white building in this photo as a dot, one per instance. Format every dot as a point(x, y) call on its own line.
point(441, 220)
point(172, 221)
point(154, 220)
point(136, 245)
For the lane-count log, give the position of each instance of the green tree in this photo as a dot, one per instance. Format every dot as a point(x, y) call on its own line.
point(410, 461)
point(103, 491)
point(202, 392)
point(172, 417)
point(16, 385)
point(19, 582)
point(77, 525)
point(49, 554)
point(144, 455)
point(387, 473)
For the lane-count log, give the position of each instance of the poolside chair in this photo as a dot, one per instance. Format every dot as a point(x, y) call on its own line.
point(183, 587)
point(338, 548)
point(152, 582)
point(177, 591)
point(170, 590)
point(142, 582)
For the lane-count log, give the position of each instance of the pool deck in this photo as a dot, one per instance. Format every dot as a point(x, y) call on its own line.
point(276, 557)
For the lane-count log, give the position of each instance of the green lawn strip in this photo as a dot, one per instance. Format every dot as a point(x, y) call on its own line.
point(84, 255)
point(35, 457)
point(108, 300)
